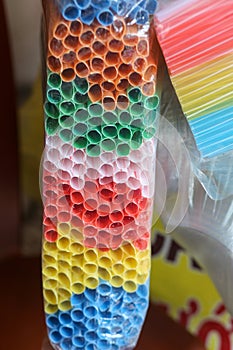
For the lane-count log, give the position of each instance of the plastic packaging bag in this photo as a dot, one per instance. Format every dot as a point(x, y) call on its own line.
point(98, 170)
point(199, 223)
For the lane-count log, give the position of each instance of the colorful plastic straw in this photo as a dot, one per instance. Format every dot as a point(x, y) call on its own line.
point(98, 171)
point(196, 40)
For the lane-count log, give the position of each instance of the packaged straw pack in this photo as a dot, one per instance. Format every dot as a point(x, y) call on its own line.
point(200, 226)
point(98, 170)
point(196, 40)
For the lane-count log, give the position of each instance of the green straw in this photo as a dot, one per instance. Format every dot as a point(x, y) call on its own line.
point(51, 110)
point(67, 107)
point(66, 135)
point(94, 136)
point(95, 109)
point(67, 90)
point(137, 123)
point(81, 115)
point(148, 133)
point(108, 145)
point(110, 117)
point(136, 140)
point(124, 134)
point(110, 131)
point(51, 126)
point(66, 121)
point(80, 98)
point(80, 129)
point(54, 96)
point(54, 80)
point(151, 102)
point(81, 85)
point(137, 109)
point(134, 94)
point(93, 150)
point(80, 142)
point(125, 118)
point(95, 121)
point(123, 149)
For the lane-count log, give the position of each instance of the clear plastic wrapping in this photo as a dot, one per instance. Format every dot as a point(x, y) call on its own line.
point(101, 98)
point(201, 224)
point(196, 40)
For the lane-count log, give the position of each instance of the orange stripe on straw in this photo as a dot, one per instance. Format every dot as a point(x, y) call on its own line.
point(56, 47)
point(95, 93)
point(115, 45)
point(84, 54)
point(112, 58)
point(102, 34)
point(97, 64)
point(68, 73)
point(122, 84)
point(110, 73)
point(76, 28)
point(87, 37)
point(118, 28)
point(140, 64)
point(135, 79)
point(82, 69)
point(95, 78)
point(108, 86)
point(131, 36)
point(54, 64)
point(61, 30)
point(71, 42)
point(69, 58)
point(99, 48)
point(149, 88)
point(125, 69)
point(128, 54)
point(142, 48)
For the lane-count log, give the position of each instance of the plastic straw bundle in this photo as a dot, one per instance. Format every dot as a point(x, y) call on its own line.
point(196, 39)
point(98, 171)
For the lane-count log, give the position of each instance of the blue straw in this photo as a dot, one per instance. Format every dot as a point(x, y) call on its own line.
point(77, 315)
point(65, 318)
point(105, 17)
point(82, 4)
point(91, 336)
point(101, 4)
point(67, 331)
point(69, 10)
point(66, 344)
point(79, 341)
point(142, 16)
point(150, 6)
point(55, 336)
point(52, 321)
point(88, 15)
point(92, 324)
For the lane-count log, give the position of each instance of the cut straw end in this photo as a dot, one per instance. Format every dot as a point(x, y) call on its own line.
point(76, 28)
point(118, 28)
point(95, 93)
point(61, 31)
point(84, 54)
point(54, 64)
point(82, 69)
point(105, 17)
point(56, 47)
point(99, 48)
